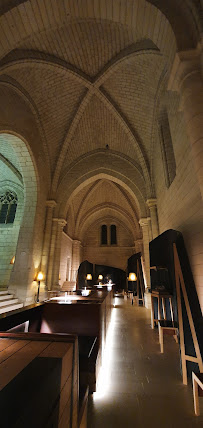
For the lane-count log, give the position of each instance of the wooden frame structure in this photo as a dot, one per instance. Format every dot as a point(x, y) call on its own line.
point(139, 286)
point(180, 284)
point(197, 381)
point(161, 297)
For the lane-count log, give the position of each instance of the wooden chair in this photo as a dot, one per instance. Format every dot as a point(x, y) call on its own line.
point(167, 327)
point(197, 381)
point(161, 296)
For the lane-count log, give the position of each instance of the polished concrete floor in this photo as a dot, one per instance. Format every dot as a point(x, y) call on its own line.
point(139, 386)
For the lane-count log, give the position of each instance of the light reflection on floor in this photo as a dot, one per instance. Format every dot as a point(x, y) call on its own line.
point(103, 383)
point(138, 386)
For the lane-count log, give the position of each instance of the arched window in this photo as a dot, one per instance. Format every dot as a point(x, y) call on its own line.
point(8, 205)
point(167, 149)
point(113, 235)
point(104, 234)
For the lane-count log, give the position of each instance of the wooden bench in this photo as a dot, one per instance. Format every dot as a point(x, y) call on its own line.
point(197, 381)
point(167, 327)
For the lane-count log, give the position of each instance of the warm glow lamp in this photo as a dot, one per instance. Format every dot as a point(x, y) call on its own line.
point(132, 277)
point(89, 277)
point(39, 278)
point(100, 277)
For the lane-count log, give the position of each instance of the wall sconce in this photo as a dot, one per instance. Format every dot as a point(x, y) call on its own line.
point(12, 260)
point(39, 277)
point(132, 277)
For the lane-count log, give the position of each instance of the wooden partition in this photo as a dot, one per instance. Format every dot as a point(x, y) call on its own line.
point(183, 302)
point(87, 317)
point(168, 253)
point(38, 381)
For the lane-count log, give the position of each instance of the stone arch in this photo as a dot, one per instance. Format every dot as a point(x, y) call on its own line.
point(102, 165)
point(116, 213)
point(17, 149)
point(90, 194)
point(163, 25)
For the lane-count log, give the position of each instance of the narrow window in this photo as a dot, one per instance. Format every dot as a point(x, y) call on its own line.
point(167, 149)
point(113, 235)
point(8, 205)
point(104, 234)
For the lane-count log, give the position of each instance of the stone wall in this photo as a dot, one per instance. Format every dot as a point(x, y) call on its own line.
point(180, 206)
point(66, 259)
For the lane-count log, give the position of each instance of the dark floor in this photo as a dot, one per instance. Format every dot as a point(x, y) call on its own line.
point(140, 387)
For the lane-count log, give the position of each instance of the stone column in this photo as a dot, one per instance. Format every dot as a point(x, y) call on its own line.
point(186, 78)
point(145, 232)
point(47, 236)
point(144, 223)
point(152, 204)
point(57, 256)
point(138, 246)
point(76, 250)
point(150, 228)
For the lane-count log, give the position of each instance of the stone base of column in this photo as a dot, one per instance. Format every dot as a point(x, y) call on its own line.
point(56, 287)
point(147, 299)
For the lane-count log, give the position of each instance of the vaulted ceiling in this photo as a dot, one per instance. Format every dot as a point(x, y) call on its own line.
point(92, 72)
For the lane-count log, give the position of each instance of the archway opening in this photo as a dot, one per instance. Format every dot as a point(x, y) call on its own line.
point(18, 196)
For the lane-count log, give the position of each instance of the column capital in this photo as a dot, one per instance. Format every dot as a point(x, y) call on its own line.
point(185, 63)
point(144, 221)
point(76, 242)
point(61, 221)
point(51, 203)
point(151, 202)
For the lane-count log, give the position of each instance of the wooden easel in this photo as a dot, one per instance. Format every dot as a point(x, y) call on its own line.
point(180, 283)
point(139, 286)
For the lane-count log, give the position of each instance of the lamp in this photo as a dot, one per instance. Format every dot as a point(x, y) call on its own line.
point(39, 277)
point(12, 260)
point(89, 277)
point(100, 277)
point(132, 277)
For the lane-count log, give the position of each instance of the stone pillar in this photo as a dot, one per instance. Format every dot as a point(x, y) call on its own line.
point(186, 78)
point(144, 223)
point(138, 246)
point(150, 228)
point(57, 256)
point(47, 236)
point(152, 204)
point(51, 254)
point(76, 250)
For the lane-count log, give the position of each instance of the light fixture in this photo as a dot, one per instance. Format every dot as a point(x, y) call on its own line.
point(100, 277)
point(12, 260)
point(89, 277)
point(132, 277)
point(39, 277)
